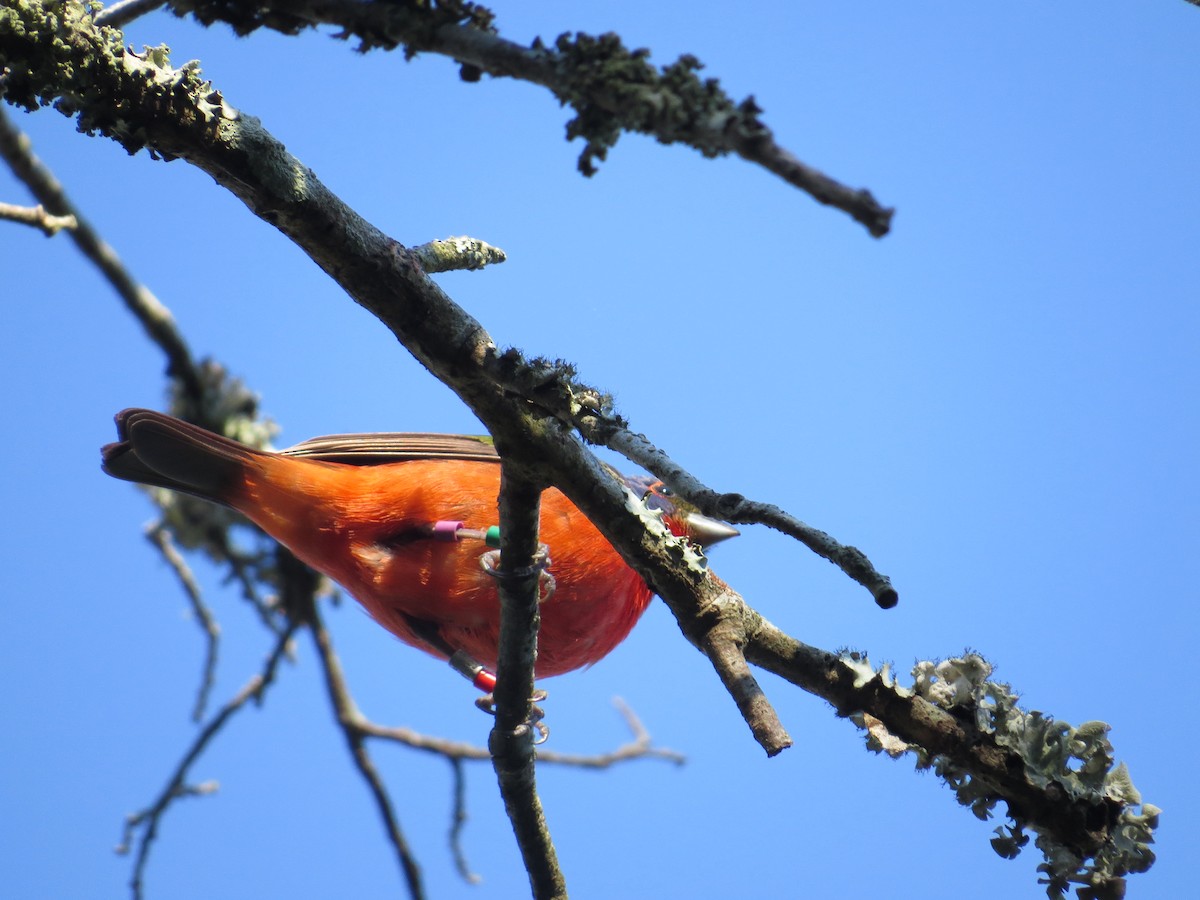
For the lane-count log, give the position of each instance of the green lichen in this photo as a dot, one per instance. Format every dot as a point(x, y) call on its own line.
point(456, 254)
point(55, 55)
point(613, 89)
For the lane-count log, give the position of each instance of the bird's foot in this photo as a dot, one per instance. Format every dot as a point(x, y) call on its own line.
point(487, 703)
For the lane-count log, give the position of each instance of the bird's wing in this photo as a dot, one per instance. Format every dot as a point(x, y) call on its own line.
point(388, 447)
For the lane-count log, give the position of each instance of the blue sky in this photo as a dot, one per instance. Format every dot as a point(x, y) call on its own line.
point(997, 402)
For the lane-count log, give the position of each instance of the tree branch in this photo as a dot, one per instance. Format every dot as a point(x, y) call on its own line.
point(590, 411)
point(1056, 779)
point(612, 89)
point(148, 819)
point(304, 609)
point(118, 15)
point(142, 101)
point(155, 318)
point(36, 216)
point(160, 536)
point(179, 115)
point(519, 580)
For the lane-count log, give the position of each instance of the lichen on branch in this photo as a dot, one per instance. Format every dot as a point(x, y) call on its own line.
point(56, 55)
point(1092, 826)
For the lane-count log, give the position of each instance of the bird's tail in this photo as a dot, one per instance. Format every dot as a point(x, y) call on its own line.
point(163, 451)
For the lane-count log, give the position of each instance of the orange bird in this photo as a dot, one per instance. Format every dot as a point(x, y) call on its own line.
point(401, 520)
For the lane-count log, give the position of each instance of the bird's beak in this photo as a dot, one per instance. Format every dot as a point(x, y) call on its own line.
point(706, 532)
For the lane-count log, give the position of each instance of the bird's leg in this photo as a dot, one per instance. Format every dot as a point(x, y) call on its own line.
point(462, 662)
point(484, 680)
point(466, 666)
point(487, 703)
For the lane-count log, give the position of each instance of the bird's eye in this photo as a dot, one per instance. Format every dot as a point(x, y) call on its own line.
point(656, 495)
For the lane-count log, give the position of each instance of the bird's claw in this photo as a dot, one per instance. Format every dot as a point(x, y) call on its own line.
point(487, 703)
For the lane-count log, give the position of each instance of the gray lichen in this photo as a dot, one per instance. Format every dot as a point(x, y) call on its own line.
point(614, 89)
point(1074, 763)
point(55, 55)
point(457, 253)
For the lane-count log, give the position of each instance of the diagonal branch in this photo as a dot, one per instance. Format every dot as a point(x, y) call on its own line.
point(155, 318)
point(737, 509)
point(611, 88)
point(590, 412)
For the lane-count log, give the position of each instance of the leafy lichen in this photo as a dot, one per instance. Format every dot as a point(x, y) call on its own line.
point(614, 89)
point(1073, 763)
point(55, 55)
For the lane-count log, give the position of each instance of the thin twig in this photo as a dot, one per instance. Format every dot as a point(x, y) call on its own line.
point(640, 747)
point(735, 508)
point(36, 216)
point(350, 721)
point(553, 388)
point(160, 537)
point(245, 569)
point(611, 88)
point(156, 319)
point(118, 15)
point(590, 411)
point(458, 819)
point(148, 819)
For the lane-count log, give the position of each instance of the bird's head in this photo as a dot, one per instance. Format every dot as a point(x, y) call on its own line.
point(682, 518)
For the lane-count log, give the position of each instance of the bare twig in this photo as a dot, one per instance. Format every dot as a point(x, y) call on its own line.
point(118, 15)
point(160, 537)
point(610, 431)
point(349, 719)
point(37, 217)
point(148, 820)
point(590, 412)
point(640, 747)
point(155, 318)
point(458, 819)
point(611, 88)
point(246, 569)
